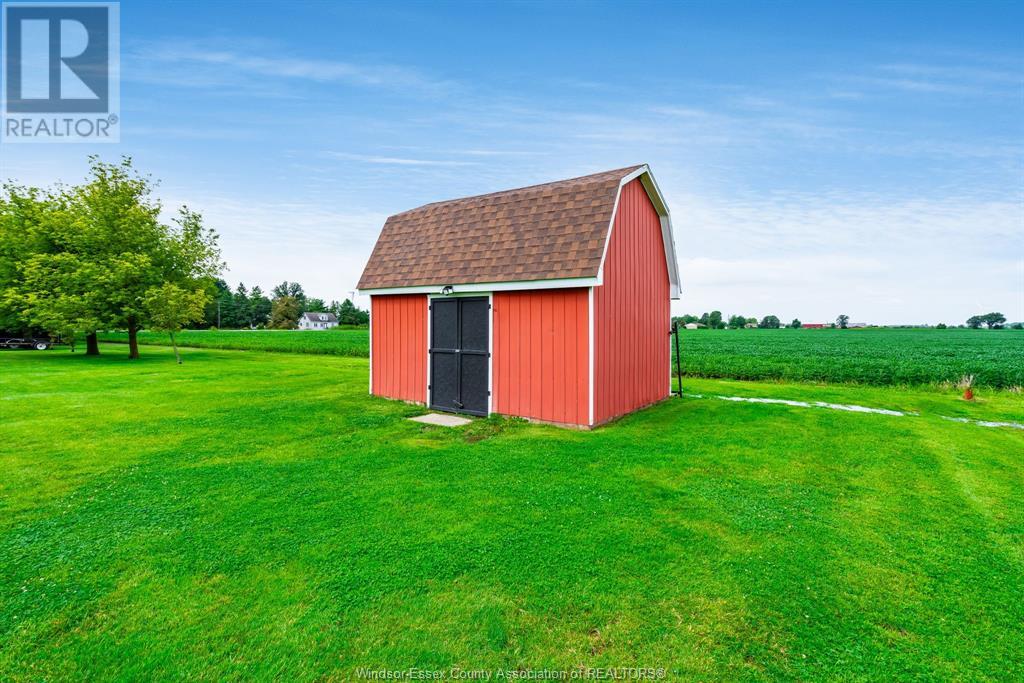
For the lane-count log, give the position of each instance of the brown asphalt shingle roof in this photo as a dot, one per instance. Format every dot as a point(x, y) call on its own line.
point(542, 232)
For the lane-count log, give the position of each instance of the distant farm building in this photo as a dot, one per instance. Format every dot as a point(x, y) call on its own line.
point(548, 302)
point(813, 326)
point(317, 321)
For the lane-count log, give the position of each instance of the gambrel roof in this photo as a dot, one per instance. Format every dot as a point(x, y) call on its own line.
point(537, 237)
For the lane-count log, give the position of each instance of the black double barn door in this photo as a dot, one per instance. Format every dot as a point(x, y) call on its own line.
point(459, 355)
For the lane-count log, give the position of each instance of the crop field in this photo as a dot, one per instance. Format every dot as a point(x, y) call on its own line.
point(871, 356)
point(258, 516)
point(882, 357)
point(337, 342)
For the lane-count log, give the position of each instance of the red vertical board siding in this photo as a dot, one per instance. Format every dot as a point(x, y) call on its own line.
point(631, 311)
point(399, 330)
point(540, 362)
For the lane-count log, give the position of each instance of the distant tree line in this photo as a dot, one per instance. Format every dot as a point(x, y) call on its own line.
point(252, 309)
point(715, 321)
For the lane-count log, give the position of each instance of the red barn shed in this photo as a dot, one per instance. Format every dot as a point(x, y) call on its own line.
point(548, 302)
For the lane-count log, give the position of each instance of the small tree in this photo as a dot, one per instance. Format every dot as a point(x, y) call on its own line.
point(974, 322)
point(796, 324)
point(842, 321)
point(284, 313)
point(737, 322)
point(715, 320)
point(170, 308)
point(770, 322)
point(314, 305)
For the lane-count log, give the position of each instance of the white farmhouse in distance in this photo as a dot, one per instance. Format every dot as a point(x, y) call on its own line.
point(317, 321)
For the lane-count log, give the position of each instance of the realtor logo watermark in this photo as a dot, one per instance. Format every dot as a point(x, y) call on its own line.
point(61, 72)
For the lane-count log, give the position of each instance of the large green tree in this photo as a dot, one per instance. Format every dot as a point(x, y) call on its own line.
point(292, 289)
point(94, 251)
point(993, 320)
point(46, 281)
point(120, 230)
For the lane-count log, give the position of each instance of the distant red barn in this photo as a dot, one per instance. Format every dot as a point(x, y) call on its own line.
point(813, 326)
point(548, 302)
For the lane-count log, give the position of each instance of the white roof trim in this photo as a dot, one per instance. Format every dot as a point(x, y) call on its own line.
point(489, 286)
point(661, 206)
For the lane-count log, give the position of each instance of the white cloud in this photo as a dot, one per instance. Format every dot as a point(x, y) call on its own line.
point(221, 64)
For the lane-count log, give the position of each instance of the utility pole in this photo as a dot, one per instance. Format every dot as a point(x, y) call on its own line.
point(218, 312)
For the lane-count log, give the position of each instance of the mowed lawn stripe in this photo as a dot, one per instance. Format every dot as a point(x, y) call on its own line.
point(292, 526)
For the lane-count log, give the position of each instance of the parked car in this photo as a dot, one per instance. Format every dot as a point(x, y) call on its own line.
point(35, 342)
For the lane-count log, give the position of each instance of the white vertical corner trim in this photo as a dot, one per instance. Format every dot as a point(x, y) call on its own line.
point(490, 354)
point(661, 206)
point(590, 356)
point(371, 346)
point(427, 351)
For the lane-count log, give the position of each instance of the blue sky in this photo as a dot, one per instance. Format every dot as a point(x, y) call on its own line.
point(818, 158)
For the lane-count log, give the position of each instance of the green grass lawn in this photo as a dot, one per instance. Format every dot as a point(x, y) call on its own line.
point(339, 342)
point(254, 515)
